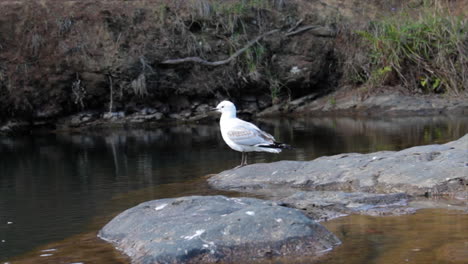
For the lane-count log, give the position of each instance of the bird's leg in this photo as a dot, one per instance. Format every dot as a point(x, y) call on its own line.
point(245, 159)
point(242, 161)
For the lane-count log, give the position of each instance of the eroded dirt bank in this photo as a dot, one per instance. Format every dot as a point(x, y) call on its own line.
point(155, 60)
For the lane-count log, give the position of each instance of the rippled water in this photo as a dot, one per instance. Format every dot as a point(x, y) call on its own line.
point(57, 190)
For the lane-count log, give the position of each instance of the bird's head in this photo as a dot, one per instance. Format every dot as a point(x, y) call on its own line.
point(226, 107)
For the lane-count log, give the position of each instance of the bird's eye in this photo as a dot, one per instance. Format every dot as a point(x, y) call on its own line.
point(222, 106)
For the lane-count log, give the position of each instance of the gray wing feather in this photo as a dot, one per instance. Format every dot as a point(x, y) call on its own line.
point(249, 135)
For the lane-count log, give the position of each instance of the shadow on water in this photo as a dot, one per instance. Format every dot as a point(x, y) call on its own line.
point(66, 186)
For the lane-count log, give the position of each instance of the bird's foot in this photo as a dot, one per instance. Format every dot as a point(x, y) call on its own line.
point(239, 166)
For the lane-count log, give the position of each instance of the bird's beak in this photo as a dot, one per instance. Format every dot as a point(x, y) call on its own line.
point(213, 111)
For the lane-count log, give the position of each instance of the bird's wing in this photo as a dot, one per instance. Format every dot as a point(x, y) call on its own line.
point(247, 134)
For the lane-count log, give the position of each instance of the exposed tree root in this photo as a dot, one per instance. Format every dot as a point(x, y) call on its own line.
point(221, 62)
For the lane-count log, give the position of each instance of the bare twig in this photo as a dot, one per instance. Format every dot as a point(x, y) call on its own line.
point(111, 94)
point(221, 62)
point(301, 29)
point(316, 30)
point(296, 25)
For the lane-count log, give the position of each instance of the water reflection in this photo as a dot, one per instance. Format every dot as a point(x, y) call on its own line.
point(430, 236)
point(52, 186)
point(332, 135)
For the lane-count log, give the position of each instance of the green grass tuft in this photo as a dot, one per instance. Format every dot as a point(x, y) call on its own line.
point(426, 49)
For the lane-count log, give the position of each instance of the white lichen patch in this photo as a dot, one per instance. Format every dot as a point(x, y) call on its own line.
point(250, 213)
point(279, 220)
point(325, 250)
point(160, 207)
point(238, 201)
point(197, 234)
point(49, 250)
point(295, 70)
point(273, 173)
point(210, 245)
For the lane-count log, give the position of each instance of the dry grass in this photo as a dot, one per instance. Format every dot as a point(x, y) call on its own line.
point(423, 48)
point(58, 39)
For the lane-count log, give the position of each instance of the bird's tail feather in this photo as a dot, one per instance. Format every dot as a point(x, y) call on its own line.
point(276, 145)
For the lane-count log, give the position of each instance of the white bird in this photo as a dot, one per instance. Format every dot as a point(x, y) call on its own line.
point(244, 136)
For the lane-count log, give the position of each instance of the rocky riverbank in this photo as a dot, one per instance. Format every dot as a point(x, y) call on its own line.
point(385, 103)
point(335, 104)
point(124, 63)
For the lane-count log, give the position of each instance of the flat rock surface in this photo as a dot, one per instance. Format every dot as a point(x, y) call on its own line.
point(379, 183)
point(390, 104)
point(326, 205)
point(386, 104)
point(422, 170)
point(207, 229)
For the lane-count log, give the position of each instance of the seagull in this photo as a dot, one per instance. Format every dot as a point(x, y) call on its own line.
point(243, 136)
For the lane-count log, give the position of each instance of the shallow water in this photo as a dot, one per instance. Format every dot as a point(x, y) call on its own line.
point(430, 236)
point(57, 190)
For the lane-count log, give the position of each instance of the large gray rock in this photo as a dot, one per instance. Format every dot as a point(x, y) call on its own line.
point(379, 183)
point(422, 170)
point(207, 229)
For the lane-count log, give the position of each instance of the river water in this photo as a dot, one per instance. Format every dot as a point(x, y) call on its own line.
point(57, 190)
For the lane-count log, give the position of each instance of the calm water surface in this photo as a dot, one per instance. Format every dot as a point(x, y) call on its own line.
point(57, 190)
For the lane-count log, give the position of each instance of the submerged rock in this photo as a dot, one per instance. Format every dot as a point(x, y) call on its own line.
point(14, 127)
point(326, 205)
point(208, 229)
